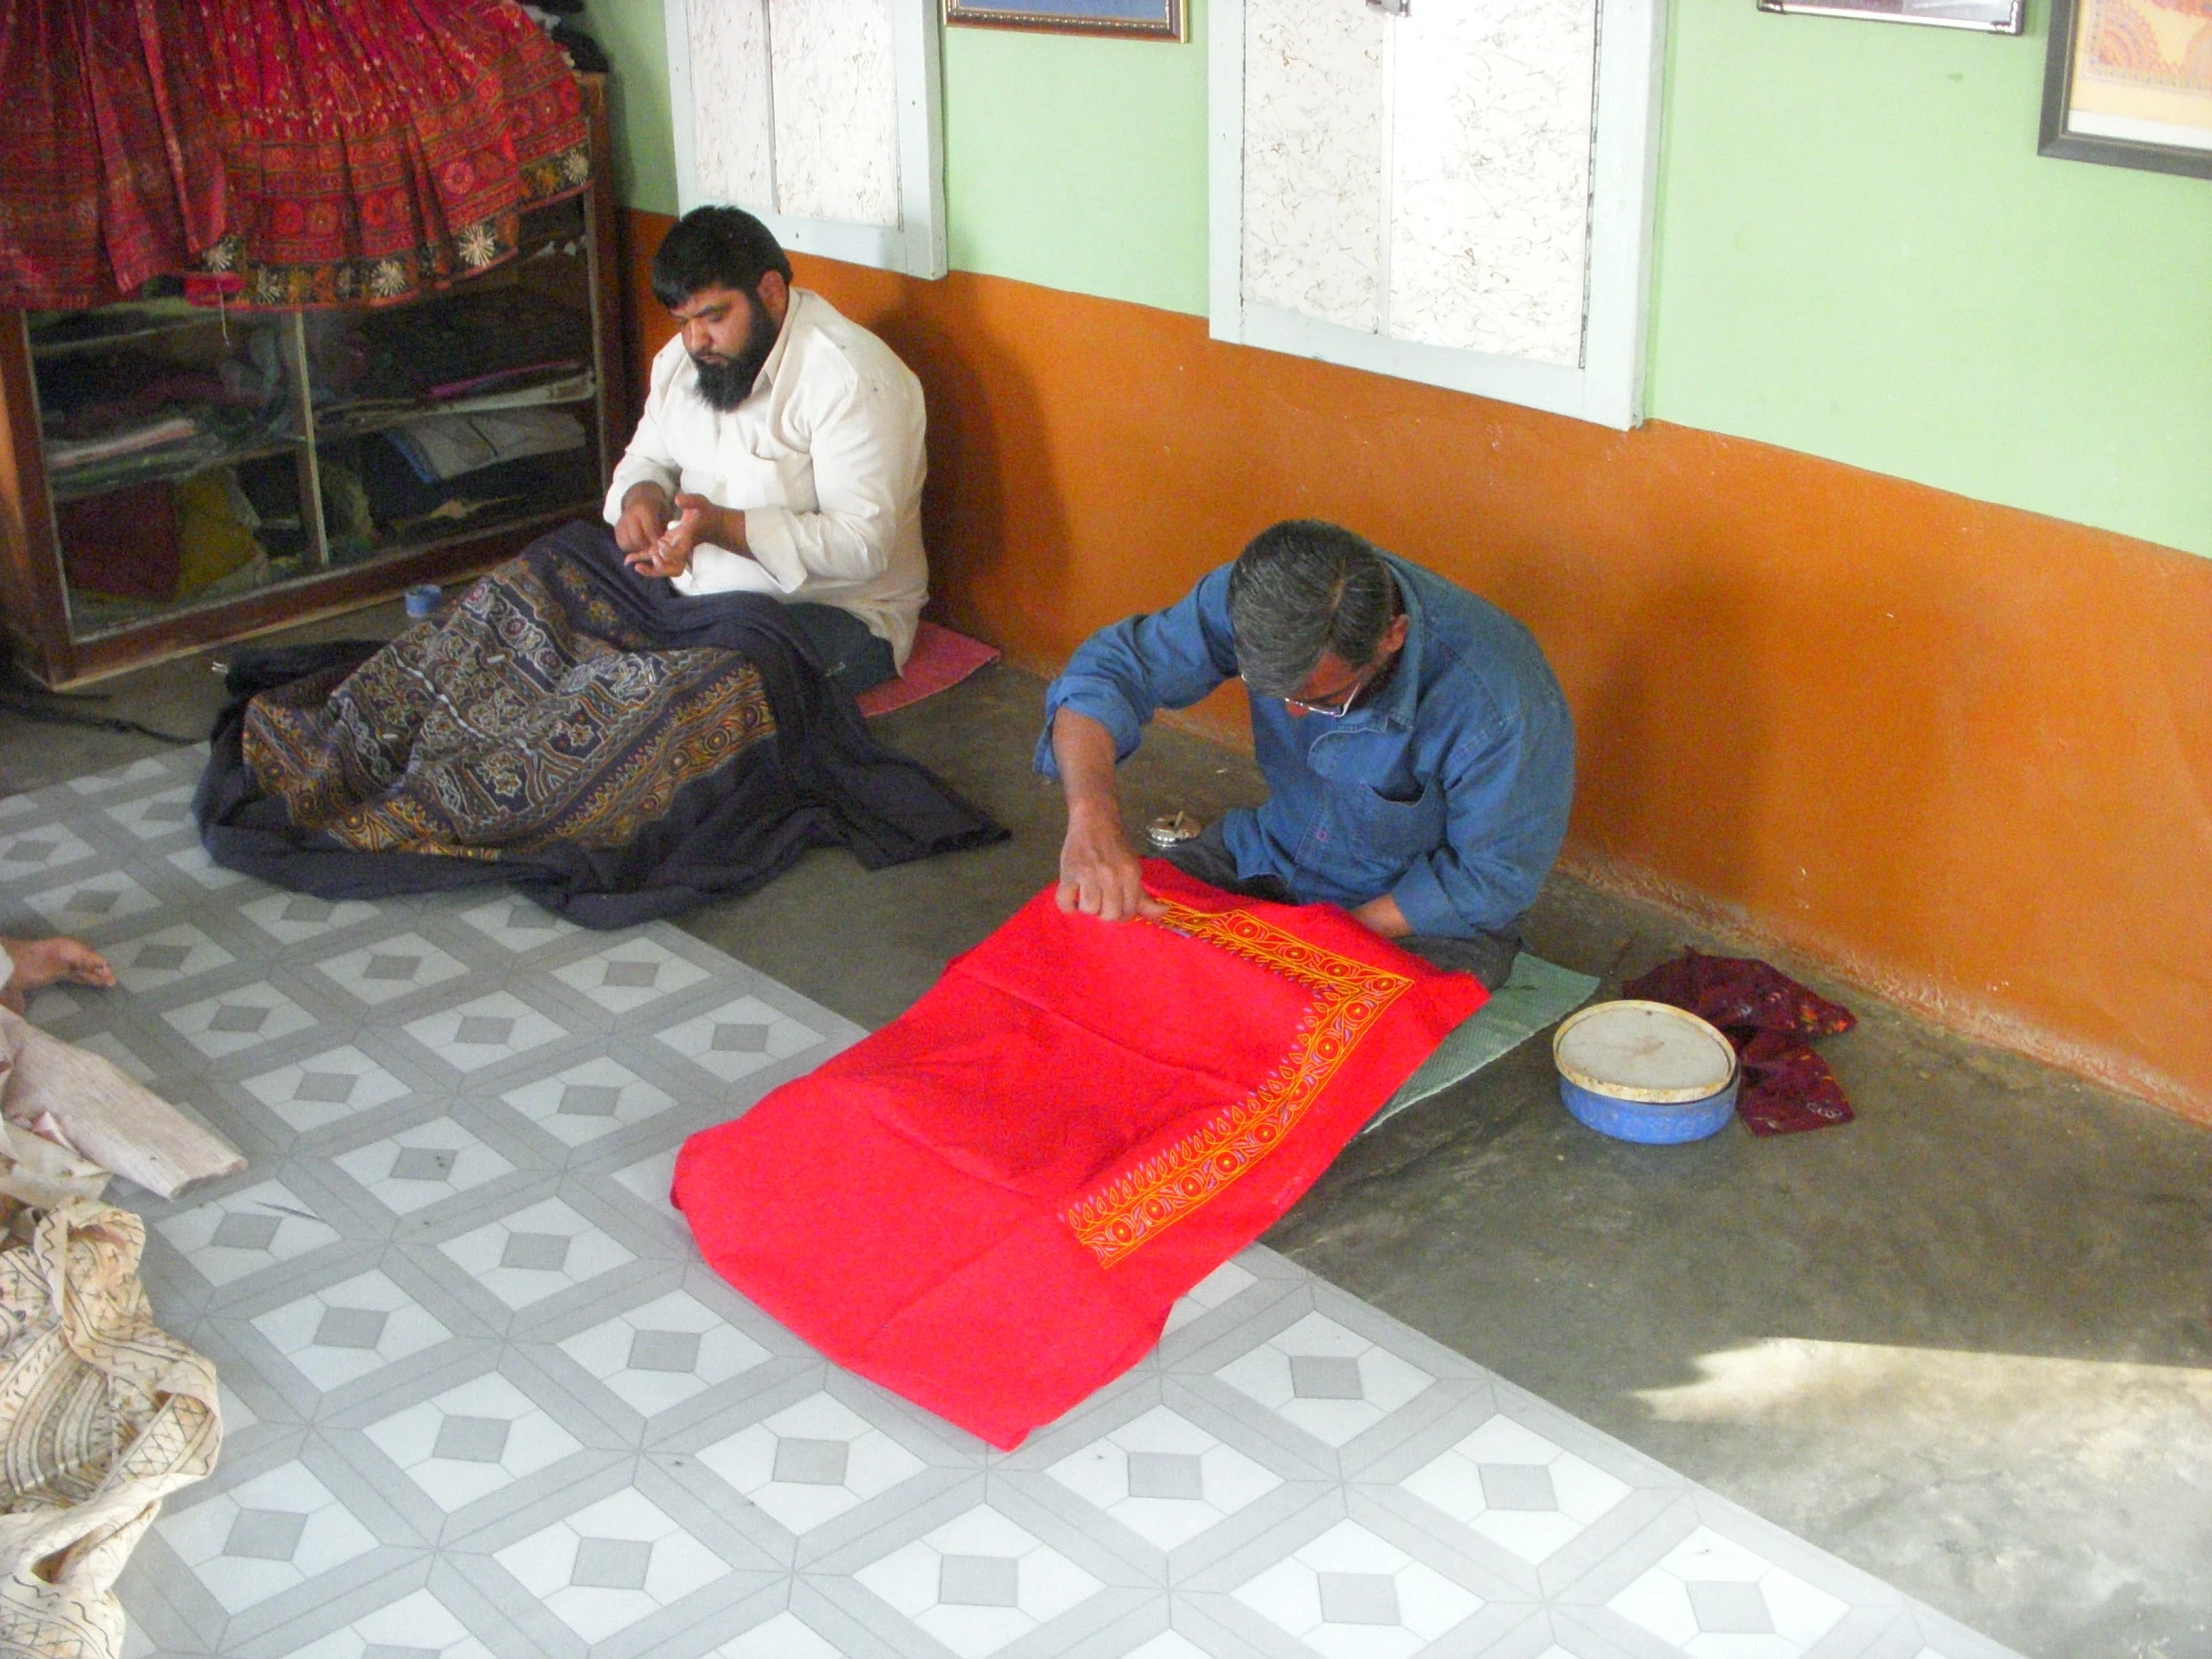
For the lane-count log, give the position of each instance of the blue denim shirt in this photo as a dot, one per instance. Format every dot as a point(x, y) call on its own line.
point(1447, 786)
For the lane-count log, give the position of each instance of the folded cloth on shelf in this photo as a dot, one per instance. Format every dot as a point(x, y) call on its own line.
point(473, 339)
point(1768, 1018)
point(615, 750)
point(215, 530)
point(403, 503)
point(64, 453)
point(990, 1205)
point(122, 543)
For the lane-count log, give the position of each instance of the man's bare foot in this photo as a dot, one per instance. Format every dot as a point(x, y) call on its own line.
point(43, 963)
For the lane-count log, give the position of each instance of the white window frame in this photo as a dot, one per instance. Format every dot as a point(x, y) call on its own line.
point(1607, 388)
point(915, 244)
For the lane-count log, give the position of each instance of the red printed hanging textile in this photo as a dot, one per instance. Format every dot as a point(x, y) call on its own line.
point(302, 152)
point(108, 167)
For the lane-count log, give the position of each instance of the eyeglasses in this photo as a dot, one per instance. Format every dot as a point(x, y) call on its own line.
point(1338, 709)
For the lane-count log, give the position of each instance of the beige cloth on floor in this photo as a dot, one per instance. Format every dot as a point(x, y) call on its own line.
point(102, 1414)
point(72, 1116)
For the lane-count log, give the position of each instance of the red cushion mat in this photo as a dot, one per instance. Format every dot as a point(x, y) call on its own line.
point(990, 1205)
point(940, 660)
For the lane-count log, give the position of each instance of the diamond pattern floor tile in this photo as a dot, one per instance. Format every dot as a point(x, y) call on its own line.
point(610, 1565)
point(1164, 1477)
point(810, 1462)
point(978, 1582)
point(481, 1401)
point(1349, 1594)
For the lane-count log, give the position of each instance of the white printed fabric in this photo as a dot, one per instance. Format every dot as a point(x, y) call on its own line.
point(481, 1400)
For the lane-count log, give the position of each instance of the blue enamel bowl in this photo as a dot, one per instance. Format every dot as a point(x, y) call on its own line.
point(1645, 1072)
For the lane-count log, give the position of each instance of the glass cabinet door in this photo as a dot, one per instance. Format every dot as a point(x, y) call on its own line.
point(177, 456)
point(194, 455)
point(466, 413)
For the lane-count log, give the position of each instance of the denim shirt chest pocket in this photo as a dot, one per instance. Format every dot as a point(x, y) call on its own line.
point(1375, 828)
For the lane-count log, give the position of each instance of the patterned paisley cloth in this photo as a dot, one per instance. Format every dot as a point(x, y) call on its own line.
point(102, 1415)
point(990, 1205)
point(302, 151)
point(616, 750)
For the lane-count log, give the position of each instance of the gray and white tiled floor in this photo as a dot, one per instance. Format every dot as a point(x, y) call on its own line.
point(483, 1400)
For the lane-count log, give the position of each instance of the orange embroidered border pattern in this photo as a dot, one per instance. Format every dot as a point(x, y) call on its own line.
point(1139, 1204)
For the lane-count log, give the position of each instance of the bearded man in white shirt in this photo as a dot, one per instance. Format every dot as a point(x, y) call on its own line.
point(780, 452)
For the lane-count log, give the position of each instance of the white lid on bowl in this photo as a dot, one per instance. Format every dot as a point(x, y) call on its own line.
point(1643, 1051)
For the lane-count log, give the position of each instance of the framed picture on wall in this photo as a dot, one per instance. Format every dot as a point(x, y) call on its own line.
point(2129, 83)
point(1995, 17)
point(1140, 19)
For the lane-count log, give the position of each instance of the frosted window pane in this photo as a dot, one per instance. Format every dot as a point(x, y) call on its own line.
point(837, 110)
point(1490, 178)
point(730, 102)
point(1313, 159)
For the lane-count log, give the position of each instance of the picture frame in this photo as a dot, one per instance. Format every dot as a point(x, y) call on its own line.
point(1127, 19)
point(2113, 87)
point(1990, 17)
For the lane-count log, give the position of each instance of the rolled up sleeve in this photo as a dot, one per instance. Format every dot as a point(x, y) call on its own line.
point(648, 460)
point(1124, 673)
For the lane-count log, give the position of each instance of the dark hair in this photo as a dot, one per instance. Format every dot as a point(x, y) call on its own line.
point(711, 247)
point(1303, 588)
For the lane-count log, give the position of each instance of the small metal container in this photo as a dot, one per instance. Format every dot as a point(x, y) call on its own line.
point(1173, 830)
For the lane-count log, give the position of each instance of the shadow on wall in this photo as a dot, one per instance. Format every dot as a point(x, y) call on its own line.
point(984, 425)
point(1700, 741)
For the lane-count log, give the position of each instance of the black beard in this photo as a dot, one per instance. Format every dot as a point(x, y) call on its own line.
point(727, 385)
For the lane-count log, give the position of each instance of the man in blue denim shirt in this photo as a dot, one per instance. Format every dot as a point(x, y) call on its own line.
point(1419, 753)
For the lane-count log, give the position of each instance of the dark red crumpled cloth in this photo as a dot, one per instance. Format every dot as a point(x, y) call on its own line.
point(1769, 1017)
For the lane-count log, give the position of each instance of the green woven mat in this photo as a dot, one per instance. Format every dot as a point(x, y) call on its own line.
point(1538, 993)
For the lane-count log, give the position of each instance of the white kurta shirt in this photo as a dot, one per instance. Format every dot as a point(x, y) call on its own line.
point(824, 459)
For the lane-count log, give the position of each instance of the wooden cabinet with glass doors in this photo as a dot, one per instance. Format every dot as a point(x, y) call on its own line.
point(174, 475)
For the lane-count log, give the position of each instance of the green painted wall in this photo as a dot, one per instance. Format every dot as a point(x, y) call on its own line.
point(635, 35)
point(1860, 256)
point(1079, 163)
point(1860, 253)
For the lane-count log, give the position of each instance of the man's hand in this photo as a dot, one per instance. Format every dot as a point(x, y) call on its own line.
point(645, 514)
point(699, 523)
point(1099, 875)
point(1381, 916)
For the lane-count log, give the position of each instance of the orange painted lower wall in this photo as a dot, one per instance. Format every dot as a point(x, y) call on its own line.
point(1961, 753)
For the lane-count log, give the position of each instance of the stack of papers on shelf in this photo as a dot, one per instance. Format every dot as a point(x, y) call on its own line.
point(64, 453)
point(440, 448)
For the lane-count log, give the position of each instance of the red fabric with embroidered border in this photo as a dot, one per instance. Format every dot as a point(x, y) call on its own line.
point(990, 1205)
